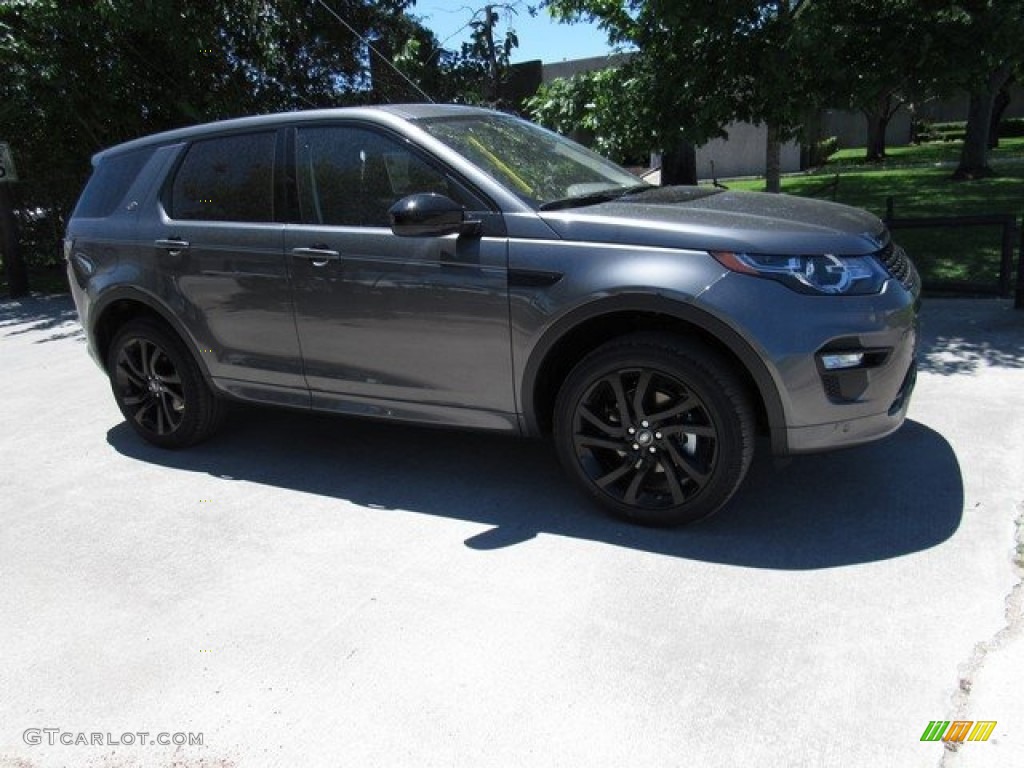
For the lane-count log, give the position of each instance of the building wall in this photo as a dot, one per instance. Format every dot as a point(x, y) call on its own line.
point(955, 108)
point(566, 69)
point(851, 128)
point(742, 153)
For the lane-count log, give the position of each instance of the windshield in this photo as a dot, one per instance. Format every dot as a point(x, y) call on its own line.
point(539, 166)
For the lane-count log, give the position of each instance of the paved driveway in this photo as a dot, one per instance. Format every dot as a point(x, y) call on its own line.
point(311, 591)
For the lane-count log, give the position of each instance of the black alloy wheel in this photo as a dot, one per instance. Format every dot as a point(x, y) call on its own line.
point(159, 388)
point(658, 431)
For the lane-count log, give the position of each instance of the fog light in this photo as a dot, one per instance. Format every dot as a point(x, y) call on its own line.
point(842, 360)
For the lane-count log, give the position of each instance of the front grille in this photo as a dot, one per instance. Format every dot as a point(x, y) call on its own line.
point(896, 263)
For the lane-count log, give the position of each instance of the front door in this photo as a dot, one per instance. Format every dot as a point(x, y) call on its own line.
point(414, 328)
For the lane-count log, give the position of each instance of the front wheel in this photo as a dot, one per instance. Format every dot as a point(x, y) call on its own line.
point(159, 388)
point(658, 430)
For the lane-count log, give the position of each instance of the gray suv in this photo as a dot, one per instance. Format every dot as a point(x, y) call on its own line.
point(454, 266)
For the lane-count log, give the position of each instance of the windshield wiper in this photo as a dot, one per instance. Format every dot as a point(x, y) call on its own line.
point(593, 198)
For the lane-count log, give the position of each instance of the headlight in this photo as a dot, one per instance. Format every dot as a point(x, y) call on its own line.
point(824, 274)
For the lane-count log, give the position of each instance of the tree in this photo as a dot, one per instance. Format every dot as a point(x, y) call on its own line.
point(82, 76)
point(873, 56)
point(698, 66)
point(587, 107)
point(981, 40)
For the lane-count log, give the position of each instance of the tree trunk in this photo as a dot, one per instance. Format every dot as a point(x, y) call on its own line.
point(875, 150)
point(10, 246)
point(493, 75)
point(810, 147)
point(773, 161)
point(878, 113)
point(679, 165)
point(974, 155)
point(1002, 101)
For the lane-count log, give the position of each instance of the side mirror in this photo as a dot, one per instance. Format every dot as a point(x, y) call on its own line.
point(429, 214)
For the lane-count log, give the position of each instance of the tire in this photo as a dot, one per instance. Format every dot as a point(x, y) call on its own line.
point(159, 387)
point(659, 430)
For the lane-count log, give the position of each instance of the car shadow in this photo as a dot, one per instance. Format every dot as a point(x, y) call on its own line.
point(894, 497)
point(898, 496)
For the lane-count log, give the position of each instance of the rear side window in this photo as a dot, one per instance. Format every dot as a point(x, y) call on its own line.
point(230, 178)
point(110, 182)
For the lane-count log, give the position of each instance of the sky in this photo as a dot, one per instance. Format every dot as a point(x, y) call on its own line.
point(539, 36)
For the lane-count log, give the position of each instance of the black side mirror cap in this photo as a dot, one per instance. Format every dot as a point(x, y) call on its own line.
point(429, 214)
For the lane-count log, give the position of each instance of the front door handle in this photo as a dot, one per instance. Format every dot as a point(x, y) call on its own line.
point(319, 255)
point(173, 246)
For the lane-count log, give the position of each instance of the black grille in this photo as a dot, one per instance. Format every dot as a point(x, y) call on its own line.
point(896, 263)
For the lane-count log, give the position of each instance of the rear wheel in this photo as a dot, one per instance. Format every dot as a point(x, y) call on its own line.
point(658, 430)
point(159, 388)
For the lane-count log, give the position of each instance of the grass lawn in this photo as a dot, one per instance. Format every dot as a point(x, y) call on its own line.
point(918, 180)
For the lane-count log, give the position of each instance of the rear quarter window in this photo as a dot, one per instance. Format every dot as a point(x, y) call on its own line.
point(229, 178)
point(110, 182)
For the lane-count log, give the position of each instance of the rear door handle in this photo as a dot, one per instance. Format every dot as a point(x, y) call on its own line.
point(173, 246)
point(320, 256)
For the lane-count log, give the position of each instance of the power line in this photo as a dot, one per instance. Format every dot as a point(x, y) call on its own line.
point(382, 57)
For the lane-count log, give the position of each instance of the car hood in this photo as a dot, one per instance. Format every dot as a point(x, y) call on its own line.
point(707, 219)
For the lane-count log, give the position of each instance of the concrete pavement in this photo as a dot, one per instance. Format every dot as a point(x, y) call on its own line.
point(313, 591)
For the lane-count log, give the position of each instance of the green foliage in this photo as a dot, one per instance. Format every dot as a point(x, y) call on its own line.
point(698, 66)
point(1011, 128)
point(981, 42)
point(956, 131)
point(871, 55)
point(928, 132)
point(476, 74)
point(484, 64)
point(588, 108)
point(826, 148)
point(85, 75)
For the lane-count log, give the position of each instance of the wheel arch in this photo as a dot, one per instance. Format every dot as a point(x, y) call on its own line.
point(584, 329)
point(124, 304)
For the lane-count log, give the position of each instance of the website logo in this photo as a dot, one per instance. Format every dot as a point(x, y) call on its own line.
point(958, 730)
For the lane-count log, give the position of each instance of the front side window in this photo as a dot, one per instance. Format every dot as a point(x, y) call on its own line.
point(230, 178)
point(350, 176)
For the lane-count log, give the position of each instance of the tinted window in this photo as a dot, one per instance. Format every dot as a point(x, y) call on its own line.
point(109, 183)
point(351, 176)
point(226, 179)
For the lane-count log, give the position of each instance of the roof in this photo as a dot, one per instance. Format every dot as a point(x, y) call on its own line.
point(384, 113)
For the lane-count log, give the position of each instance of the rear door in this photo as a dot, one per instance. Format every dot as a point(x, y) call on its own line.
point(409, 327)
point(218, 243)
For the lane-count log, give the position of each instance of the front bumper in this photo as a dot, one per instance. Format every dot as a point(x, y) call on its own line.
point(827, 409)
point(850, 432)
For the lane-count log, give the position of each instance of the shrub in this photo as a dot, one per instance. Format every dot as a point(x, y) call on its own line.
point(957, 131)
point(825, 148)
point(1011, 127)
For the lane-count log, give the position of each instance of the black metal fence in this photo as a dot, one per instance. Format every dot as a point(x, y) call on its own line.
point(1007, 282)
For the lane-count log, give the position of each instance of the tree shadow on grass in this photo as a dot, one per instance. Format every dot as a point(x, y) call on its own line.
point(865, 504)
